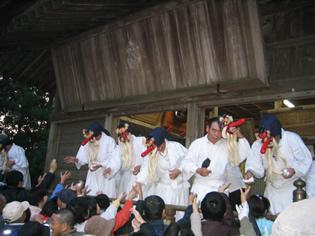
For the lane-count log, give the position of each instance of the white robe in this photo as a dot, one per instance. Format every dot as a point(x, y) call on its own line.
point(108, 157)
point(310, 181)
point(278, 189)
point(234, 174)
point(126, 177)
point(17, 154)
point(171, 191)
point(200, 150)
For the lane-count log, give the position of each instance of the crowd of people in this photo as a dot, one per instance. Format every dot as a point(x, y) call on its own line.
point(206, 179)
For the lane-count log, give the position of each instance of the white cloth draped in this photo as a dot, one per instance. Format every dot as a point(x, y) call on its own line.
point(200, 150)
point(108, 157)
point(17, 154)
point(171, 191)
point(234, 174)
point(126, 177)
point(279, 190)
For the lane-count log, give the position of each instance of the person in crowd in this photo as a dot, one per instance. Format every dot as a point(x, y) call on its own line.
point(62, 224)
point(14, 214)
point(310, 178)
point(3, 157)
point(98, 226)
point(14, 190)
point(37, 199)
point(103, 202)
point(3, 202)
point(162, 169)
point(130, 149)
point(208, 157)
point(64, 197)
point(33, 228)
point(296, 219)
point(280, 155)
point(259, 206)
point(99, 151)
point(152, 221)
point(217, 214)
point(16, 160)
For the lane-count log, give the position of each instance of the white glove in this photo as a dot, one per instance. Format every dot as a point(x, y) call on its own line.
point(242, 210)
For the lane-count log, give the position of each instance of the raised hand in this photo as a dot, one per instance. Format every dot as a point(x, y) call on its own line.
point(223, 187)
point(65, 176)
point(244, 194)
point(40, 179)
point(132, 194)
point(53, 166)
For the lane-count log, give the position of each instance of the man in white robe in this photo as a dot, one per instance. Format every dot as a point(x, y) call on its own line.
point(130, 149)
point(14, 159)
point(99, 151)
point(161, 169)
point(207, 159)
point(285, 160)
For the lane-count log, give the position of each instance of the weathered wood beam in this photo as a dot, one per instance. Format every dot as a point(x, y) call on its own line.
point(195, 122)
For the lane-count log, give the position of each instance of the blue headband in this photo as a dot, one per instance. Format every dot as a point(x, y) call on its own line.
point(271, 123)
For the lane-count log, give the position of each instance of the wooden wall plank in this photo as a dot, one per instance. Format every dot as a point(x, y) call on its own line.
point(192, 44)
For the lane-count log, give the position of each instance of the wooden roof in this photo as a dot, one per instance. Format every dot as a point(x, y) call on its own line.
point(28, 29)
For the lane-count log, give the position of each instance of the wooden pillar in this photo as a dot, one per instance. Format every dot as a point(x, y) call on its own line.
point(108, 123)
point(278, 104)
point(195, 122)
point(53, 144)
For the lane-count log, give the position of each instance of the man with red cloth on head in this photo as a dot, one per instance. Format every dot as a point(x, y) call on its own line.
point(283, 157)
point(99, 151)
point(161, 170)
point(130, 149)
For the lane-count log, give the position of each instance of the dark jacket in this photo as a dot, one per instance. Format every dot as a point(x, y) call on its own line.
point(14, 194)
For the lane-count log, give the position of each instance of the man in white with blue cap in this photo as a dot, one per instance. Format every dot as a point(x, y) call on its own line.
point(282, 157)
point(99, 151)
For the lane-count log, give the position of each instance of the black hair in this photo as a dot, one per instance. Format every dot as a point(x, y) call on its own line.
point(50, 207)
point(153, 207)
point(213, 120)
point(13, 178)
point(82, 208)
point(258, 205)
point(27, 215)
point(213, 206)
point(33, 229)
point(175, 229)
point(35, 196)
point(102, 201)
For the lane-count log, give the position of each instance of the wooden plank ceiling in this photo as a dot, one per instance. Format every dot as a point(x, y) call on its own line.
point(28, 29)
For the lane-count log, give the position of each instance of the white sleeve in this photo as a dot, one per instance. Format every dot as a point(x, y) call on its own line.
point(114, 161)
point(110, 212)
point(244, 149)
point(142, 176)
point(254, 162)
point(302, 157)
point(189, 165)
point(82, 157)
point(18, 155)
